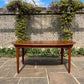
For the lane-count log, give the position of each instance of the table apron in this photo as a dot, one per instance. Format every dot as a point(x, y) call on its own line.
point(22, 46)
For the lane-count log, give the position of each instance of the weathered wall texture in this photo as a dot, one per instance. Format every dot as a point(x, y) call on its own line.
point(40, 27)
point(43, 27)
point(7, 27)
point(78, 36)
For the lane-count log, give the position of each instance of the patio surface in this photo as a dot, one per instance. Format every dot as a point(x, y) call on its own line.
point(42, 70)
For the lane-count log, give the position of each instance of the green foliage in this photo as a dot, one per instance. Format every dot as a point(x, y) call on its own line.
point(23, 8)
point(8, 52)
point(35, 51)
point(74, 52)
point(2, 51)
point(55, 52)
point(21, 28)
point(68, 10)
point(13, 5)
point(81, 51)
point(38, 10)
point(67, 34)
point(29, 50)
point(11, 52)
point(38, 52)
point(46, 52)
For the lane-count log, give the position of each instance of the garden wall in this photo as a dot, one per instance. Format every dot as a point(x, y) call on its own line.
point(40, 27)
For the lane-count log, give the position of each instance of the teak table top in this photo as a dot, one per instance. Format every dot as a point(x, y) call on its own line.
point(38, 43)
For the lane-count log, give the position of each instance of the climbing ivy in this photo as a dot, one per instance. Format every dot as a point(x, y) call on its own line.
point(68, 9)
point(24, 9)
point(21, 28)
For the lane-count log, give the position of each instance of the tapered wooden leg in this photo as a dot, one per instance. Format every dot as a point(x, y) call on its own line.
point(22, 55)
point(17, 54)
point(62, 53)
point(69, 60)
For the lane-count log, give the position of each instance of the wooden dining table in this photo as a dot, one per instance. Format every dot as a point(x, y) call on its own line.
point(44, 44)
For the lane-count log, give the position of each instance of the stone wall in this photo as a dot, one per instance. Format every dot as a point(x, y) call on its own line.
point(78, 36)
point(40, 27)
point(7, 27)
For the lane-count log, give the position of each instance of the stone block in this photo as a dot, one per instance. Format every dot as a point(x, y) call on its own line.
point(7, 71)
point(61, 78)
point(9, 80)
point(32, 73)
point(33, 81)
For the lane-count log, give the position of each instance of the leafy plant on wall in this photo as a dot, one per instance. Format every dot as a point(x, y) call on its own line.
point(24, 9)
point(68, 9)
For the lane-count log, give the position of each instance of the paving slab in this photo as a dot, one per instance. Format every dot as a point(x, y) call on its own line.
point(56, 70)
point(29, 63)
point(51, 66)
point(79, 64)
point(81, 80)
point(32, 73)
point(77, 58)
point(33, 81)
point(47, 64)
point(29, 66)
point(61, 78)
point(9, 80)
point(3, 60)
point(78, 73)
point(7, 71)
point(50, 63)
point(40, 58)
point(11, 62)
point(1, 63)
point(36, 69)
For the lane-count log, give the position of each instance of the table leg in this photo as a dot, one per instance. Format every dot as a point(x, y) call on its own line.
point(62, 53)
point(69, 60)
point(22, 55)
point(17, 54)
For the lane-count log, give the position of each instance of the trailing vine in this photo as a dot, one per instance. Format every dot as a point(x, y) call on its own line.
point(68, 10)
point(24, 9)
point(21, 28)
